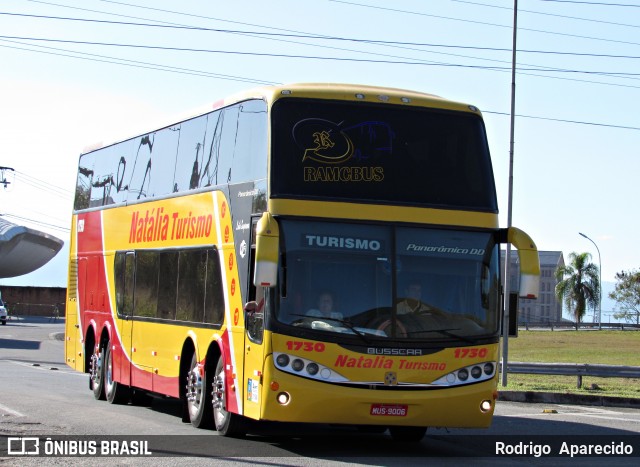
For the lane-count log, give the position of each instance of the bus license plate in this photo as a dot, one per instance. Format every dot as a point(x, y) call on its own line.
point(389, 410)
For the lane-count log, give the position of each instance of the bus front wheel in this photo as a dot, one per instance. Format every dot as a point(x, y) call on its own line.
point(227, 423)
point(115, 393)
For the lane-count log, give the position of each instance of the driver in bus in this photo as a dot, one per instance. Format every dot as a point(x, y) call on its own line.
point(325, 307)
point(412, 302)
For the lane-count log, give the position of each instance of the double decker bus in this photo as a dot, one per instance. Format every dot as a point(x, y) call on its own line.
point(315, 253)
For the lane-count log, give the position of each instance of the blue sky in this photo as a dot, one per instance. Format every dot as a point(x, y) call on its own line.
point(577, 131)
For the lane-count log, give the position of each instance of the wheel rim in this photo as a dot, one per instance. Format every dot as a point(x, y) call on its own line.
point(194, 389)
point(109, 373)
point(96, 369)
point(219, 399)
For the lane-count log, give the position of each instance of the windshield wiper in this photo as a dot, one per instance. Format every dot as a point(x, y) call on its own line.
point(345, 322)
point(352, 328)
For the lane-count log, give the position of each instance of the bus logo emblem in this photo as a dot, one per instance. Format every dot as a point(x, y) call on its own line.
point(390, 378)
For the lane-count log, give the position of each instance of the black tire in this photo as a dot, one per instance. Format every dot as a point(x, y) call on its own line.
point(409, 434)
point(115, 393)
point(198, 394)
point(97, 374)
point(4, 321)
point(227, 423)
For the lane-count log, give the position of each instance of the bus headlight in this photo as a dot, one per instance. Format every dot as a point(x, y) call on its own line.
point(282, 360)
point(297, 365)
point(307, 368)
point(467, 375)
point(313, 368)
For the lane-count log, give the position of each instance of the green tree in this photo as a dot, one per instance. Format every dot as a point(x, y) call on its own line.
point(578, 284)
point(627, 294)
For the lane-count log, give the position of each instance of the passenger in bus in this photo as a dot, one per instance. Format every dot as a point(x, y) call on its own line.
point(412, 302)
point(325, 307)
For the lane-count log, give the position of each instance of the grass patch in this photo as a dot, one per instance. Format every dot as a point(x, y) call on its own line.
point(591, 346)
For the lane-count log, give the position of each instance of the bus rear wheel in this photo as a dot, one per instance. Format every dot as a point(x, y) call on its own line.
point(227, 423)
point(198, 395)
point(115, 393)
point(407, 433)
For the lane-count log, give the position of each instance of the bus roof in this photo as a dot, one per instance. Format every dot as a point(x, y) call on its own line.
point(331, 91)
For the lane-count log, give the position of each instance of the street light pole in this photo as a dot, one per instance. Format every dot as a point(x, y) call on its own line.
point(507, 261)
point(600, 282)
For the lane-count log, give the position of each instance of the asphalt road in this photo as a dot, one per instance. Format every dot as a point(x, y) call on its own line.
point(41, 397)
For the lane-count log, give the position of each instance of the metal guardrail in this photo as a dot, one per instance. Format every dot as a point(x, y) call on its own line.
point(574, 369)
point(570, 325)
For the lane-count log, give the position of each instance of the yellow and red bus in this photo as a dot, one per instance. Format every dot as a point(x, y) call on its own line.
point(199, 252)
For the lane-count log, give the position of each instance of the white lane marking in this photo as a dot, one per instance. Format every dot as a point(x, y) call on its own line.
point(8, 411)
point(47, 367)
point(578, 411)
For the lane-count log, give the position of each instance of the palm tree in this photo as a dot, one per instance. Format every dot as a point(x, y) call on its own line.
point(578, 284)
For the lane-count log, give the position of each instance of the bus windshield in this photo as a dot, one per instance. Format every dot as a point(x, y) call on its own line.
point(389, 282)
point(387, 154)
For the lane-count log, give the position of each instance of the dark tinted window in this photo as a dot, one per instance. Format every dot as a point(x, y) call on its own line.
point(146, 291)
point(225, 146)
point(182, 285)
point(380, 153)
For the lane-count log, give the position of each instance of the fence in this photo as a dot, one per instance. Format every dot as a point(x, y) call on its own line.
point(571, 325)
point(574, 369)
point(35, 309)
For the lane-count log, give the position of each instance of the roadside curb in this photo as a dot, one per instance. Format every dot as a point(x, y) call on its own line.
point(560, 398)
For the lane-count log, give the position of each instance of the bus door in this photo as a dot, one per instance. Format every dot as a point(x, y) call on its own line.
point(74, 354)
point(125, 275)
point(254, 348)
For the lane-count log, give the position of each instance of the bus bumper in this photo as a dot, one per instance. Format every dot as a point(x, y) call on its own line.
point(316, 402)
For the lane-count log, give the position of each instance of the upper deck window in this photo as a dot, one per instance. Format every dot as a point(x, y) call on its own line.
point(380, 153)
point(226, 146)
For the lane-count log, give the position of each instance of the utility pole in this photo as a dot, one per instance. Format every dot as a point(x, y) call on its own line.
point(5, 173)
point(507, 260)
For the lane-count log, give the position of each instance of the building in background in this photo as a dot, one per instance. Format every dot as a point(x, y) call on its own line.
point(23, 250)
point(546, 308)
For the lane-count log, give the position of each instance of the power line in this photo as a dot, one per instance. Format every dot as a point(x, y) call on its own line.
point(331, 38)
point(313, 57)
point(168, 25)
point(395, 10)
point(134, 63)
point(485, 111)
point(52, 226)
point(252, 33)
point(607, 125)
point(555, 15)
point(187, 71)
point(42, 185)
point(174, 69)
point(592, 3)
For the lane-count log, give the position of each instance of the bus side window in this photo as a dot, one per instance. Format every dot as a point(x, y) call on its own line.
point(124, 280)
